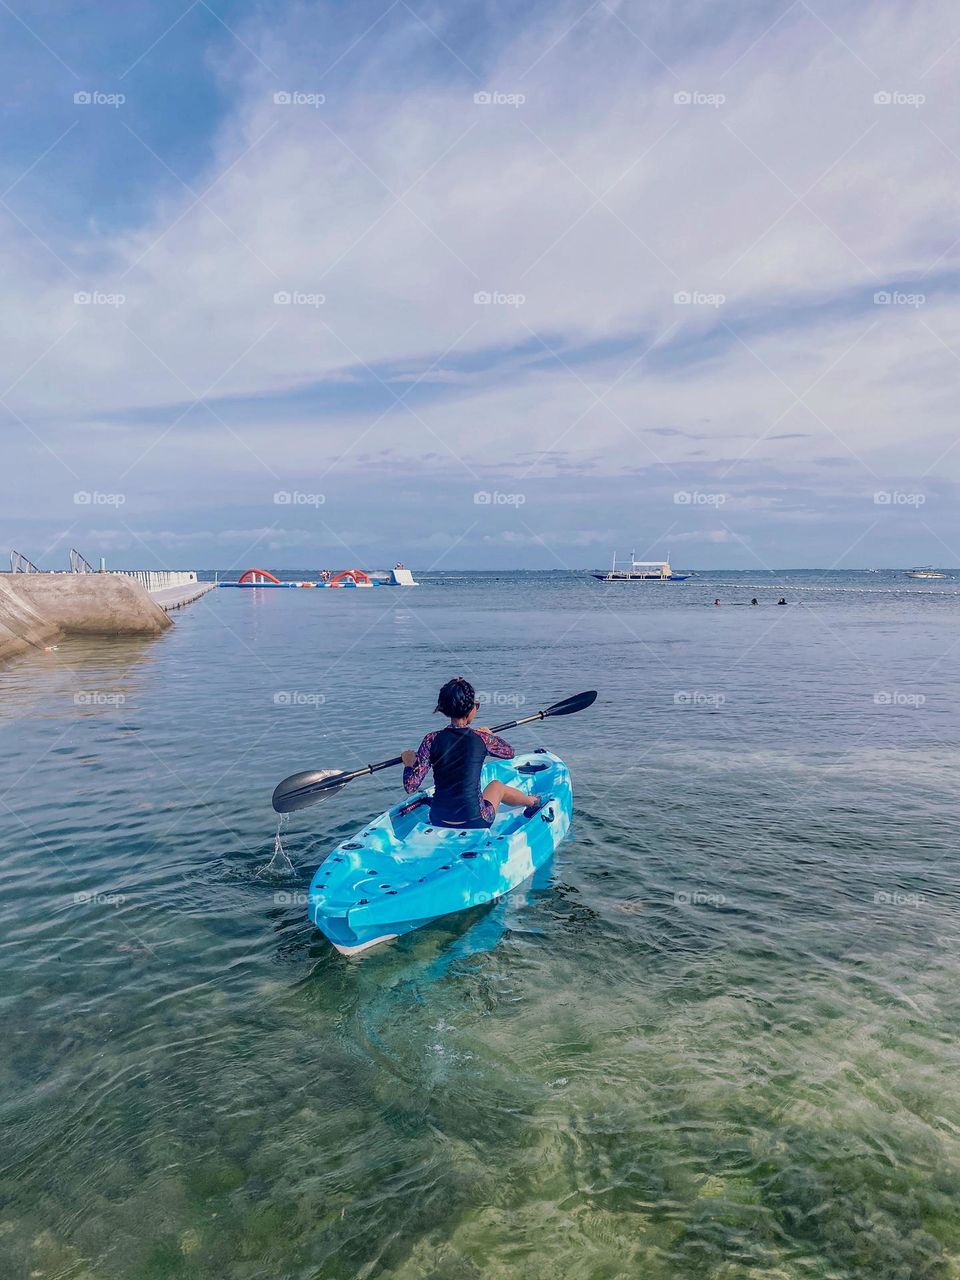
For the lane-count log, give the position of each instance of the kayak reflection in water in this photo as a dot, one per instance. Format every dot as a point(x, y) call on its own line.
point(456, 755)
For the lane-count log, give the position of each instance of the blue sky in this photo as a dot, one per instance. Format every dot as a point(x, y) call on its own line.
point(479, 285)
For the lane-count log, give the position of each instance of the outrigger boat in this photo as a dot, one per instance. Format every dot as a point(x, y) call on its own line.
point(642, 571)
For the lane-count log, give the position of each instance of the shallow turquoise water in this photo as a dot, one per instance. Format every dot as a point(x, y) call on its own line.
point(720, 1039)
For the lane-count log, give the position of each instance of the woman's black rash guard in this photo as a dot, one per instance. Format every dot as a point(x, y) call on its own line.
point(456, 755)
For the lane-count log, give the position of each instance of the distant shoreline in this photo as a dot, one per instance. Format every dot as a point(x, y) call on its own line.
point(301, 571)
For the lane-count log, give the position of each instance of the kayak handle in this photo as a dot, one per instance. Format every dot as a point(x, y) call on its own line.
point(413, 804)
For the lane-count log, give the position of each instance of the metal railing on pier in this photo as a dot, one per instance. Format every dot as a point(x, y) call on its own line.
point(20, 564)
point(78, 564)
point(158, 579)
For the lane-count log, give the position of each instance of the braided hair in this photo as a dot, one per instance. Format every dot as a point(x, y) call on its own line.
point(456, 699)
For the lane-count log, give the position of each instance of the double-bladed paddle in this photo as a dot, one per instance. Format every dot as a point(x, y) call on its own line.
point(303, 789)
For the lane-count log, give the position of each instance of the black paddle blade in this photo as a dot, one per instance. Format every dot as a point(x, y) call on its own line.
point(301, 790)
point(579, 702)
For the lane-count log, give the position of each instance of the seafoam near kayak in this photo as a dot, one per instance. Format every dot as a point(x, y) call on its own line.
point(399, 872)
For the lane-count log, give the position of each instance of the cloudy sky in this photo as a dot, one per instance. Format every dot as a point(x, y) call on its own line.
point(480, 285)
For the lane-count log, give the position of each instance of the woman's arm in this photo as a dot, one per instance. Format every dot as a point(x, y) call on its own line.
point(496, 746)
point(414, 774)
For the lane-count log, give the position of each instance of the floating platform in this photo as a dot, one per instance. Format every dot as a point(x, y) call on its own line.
point(261, 579)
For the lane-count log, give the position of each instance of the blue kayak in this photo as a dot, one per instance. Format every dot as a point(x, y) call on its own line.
point(399, 872)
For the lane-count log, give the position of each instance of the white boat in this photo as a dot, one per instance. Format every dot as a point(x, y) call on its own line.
point(925, 571)
point(642, 571)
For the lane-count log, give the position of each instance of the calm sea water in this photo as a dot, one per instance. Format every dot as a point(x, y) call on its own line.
point(721, 1038)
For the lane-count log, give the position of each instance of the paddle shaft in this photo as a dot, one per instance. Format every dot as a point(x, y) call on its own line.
point(303, 789)
point(395, 760)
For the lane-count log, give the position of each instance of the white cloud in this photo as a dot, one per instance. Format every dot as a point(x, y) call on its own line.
point(717, 536)
point(701, 199)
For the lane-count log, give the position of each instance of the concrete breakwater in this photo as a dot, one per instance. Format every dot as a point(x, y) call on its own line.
point(38, 609)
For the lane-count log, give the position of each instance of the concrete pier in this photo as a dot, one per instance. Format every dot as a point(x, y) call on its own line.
point(39, 609)
point(175, 597)
point(22, 626)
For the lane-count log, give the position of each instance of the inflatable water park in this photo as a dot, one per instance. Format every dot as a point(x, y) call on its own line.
point(398, 576)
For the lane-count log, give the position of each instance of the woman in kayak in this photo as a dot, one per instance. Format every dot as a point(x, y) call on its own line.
point(456, 755)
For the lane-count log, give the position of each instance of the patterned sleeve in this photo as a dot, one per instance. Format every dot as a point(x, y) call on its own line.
point(413, 778)
point(496, 746)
